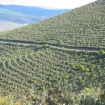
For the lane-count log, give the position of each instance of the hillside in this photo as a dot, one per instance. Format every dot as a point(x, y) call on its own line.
point(26, 68)
point(84, 26)
point(56, 61)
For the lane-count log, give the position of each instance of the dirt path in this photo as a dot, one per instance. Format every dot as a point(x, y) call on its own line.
point(62, 47)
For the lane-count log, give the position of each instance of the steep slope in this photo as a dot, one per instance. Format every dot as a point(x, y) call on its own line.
point(39, 68)
point(84, 26)
point(28, 67)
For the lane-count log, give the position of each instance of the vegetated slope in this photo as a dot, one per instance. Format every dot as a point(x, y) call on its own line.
point(84, 26)
point(39, 68)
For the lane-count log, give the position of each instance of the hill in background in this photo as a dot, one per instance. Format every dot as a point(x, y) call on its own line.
point(25, 14)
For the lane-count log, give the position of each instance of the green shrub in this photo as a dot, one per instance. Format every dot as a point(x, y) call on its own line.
point(82, 67)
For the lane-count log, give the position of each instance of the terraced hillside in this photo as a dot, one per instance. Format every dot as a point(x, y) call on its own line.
point(38, 58)
point(84, 26)
point(25, 67)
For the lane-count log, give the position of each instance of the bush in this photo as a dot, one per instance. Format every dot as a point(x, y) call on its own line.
point(101, 52)
point(82, 67)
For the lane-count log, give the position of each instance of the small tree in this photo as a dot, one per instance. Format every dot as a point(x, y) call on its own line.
point(101, 52)
point(82, 67)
